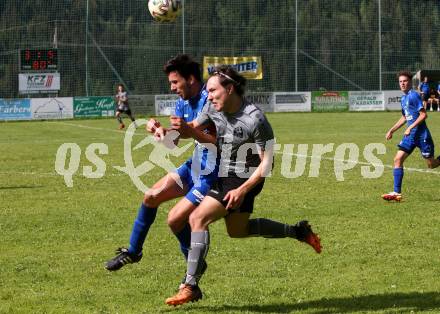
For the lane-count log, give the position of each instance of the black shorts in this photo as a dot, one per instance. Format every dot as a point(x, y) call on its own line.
point(126, 110)
point(223, 185)
point(425, 97)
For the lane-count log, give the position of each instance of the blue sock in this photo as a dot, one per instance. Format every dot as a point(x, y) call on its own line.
point(398, 177)
point(184, 237)
point(144, 220)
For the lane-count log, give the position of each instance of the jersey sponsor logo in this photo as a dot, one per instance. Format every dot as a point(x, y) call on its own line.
point(238, 132)
point(199, 196)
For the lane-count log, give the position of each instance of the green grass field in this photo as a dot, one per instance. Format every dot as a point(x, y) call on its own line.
point(377, 257)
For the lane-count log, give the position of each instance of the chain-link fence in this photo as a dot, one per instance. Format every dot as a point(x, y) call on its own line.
point(304, 44)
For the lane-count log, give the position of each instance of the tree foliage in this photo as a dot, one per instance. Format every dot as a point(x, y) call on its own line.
point(337, 46)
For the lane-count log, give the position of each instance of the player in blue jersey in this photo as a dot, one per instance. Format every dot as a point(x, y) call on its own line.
point(416, 134)
point(438, 96)
point(424, 90)
point(184, 77)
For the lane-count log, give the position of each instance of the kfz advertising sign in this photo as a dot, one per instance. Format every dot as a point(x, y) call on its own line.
point(38, 82)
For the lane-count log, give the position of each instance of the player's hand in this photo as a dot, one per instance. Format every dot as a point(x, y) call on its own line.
point(235, 198)
point(389, 135)
point(407, 132)
point(152, 125)
point(159, 134)
point(180, 125)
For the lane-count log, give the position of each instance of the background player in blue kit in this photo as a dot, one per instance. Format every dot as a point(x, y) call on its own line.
point(416, 134)
point(424, 90)
point(184, 76)
point(438, 96)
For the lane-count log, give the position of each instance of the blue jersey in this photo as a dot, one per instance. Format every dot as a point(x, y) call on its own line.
point(200, 171)
point(189, 110)
point(411, 105)
point(424, 88)
point(419, 137)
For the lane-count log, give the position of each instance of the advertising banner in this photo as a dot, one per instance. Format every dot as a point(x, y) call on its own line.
point(94, 106)
point(38, 82)
point(165, 104)
point(292, 102)
point(323, 101)
point(392, 99)
point(15, 109)
point(249, 67)
point(263, 100)
point(366, 101)
point(52, 108)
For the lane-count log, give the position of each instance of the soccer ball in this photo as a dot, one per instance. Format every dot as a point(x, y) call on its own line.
point(165, 10)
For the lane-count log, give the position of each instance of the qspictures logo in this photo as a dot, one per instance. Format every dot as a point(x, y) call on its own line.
point(344, 157)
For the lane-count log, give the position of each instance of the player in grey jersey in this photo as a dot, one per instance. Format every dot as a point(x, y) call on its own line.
point(244, 143)
point(122, 106)
point(238, 132)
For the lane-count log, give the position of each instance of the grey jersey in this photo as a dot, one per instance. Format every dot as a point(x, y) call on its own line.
point(122, 100)
point(240, 136)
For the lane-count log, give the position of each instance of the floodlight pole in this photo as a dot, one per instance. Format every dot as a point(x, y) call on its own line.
point(380, 48)
point(296, 45)
point(87, 49)
point(183, 26)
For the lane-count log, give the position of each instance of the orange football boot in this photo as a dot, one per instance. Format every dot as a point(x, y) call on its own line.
point(186, 294)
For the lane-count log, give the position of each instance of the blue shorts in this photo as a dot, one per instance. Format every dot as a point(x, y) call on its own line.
point(422, 140)
point(198, 185)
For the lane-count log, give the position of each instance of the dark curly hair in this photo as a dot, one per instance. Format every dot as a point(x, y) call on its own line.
point(184, 65)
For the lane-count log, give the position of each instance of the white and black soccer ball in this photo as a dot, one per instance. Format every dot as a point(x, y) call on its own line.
point(165, 10)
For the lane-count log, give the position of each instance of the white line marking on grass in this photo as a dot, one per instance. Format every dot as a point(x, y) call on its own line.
point(109, 130)
point(53, 174)
point(410, 169)
point(90, 127)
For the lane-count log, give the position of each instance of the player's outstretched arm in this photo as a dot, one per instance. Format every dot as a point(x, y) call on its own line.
point(395, 127)
point(192, 129)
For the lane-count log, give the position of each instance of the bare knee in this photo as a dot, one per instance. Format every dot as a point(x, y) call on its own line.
point(237, 233)
point(237, 229)
point(198, 221)
point(151, 199)
point(398, 162)
point(175, 222)
point(237, 225)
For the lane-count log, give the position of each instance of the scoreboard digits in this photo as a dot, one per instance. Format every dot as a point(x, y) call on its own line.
point(39, 60)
